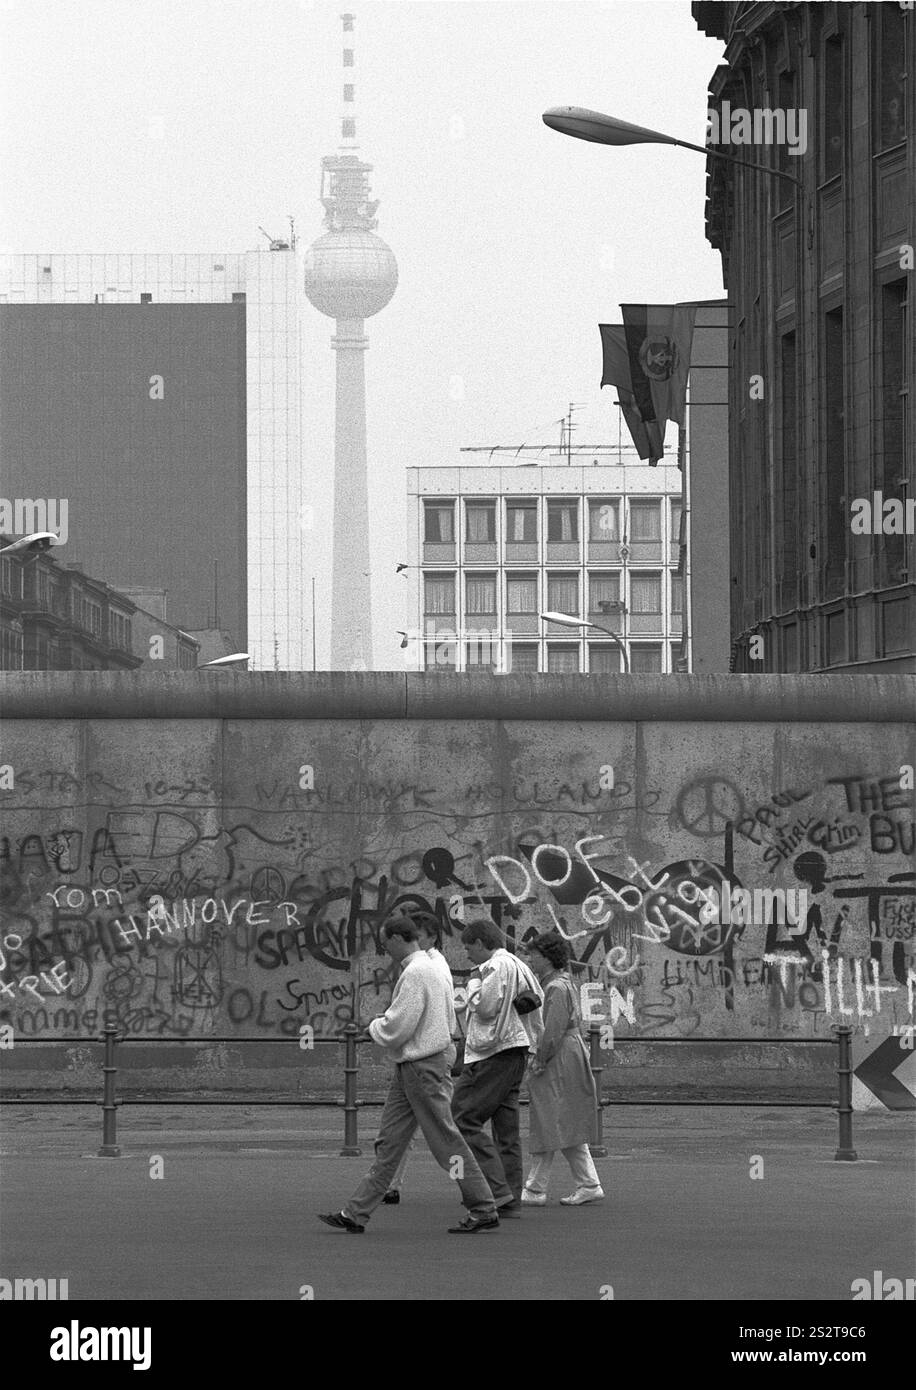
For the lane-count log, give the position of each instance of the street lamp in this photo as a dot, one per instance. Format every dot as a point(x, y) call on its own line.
point(582, 124)
point(236, 658)
point(38, 540)
point(567, 621)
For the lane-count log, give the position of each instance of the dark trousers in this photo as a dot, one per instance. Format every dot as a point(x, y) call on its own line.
point(488, 1090)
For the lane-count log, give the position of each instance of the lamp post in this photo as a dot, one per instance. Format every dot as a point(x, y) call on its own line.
point(235, 660)
point(600, 129)
point(38, 540)
point(567, 621)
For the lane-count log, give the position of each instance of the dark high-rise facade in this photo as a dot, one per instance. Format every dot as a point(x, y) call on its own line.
point(820, 276)
point(135, 416)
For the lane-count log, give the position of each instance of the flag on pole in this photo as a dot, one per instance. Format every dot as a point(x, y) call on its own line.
point(648, 359)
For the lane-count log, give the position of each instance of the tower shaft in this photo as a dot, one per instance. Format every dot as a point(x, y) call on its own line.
point(351, 601)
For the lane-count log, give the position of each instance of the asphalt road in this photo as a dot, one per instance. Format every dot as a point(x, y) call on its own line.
point(233, 1216)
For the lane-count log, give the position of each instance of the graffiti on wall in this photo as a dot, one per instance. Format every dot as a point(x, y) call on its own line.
point(169, 913)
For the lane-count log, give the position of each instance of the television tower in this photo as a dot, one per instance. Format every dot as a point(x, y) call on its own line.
point(350, 274)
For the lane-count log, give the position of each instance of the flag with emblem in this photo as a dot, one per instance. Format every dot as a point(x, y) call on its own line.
point(648, 360)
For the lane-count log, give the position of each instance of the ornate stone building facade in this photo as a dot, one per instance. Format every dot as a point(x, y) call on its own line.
point(819, 271)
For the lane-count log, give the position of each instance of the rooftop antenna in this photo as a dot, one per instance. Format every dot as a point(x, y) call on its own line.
point(566, 429)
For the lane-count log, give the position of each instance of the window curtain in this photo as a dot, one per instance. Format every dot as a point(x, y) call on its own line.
point(563, 594)
point(602, 521)
point(645, 522)
point(481, 595)
point(563, 660)
point(645, 593)
point(440, 596)
point(562, 524)
point(603, 661)
point(602, 588)
point(480, 524)
point(521, 596)
point(522, 524)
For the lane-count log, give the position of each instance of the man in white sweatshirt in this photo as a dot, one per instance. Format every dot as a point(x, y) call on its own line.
point(495, 1056)
point(417, 1029)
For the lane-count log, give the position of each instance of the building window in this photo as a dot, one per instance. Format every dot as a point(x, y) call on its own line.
point(524, 658)
point(646, 595)
point(238, 297)
point(833, 451)
point(439, 595)
point(348, 57)
point(645, 521)
point(603, 659)
point(678, 657)
point(676, 513)
point(91, 616)
point(348, 128)
point(481, 522)
point(347, 23)
point(119, 631)
point(787, 498)
point(562, 522)
point(441, 656)
point(146, 298)
point(602, 588)
point(604, 520)
point(890, 83)
point(521, 593)
point(10, 650)
point(187, 658)
point(677, 594)
point(439, 522)
point(11, 579)
point(892, 429)
point(521, 522)
point(563, 593)
point(562, 660)
point(481, 655)
point(896, 636)
point(834, 116)
point(348, 91)
point(836, 637)
point(785, 191)
point(646, 658)
point(480, 595)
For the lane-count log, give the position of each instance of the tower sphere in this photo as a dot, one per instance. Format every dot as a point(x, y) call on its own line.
point(350, 274)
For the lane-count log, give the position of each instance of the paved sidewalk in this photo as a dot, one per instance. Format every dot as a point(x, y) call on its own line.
point(233, 1216)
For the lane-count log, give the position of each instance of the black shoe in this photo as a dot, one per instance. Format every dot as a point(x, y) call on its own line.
point(342, 1223)
point(511, 1209)
point(471, 1225)
point(392, 1197)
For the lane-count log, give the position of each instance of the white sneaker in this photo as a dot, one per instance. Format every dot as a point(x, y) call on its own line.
point(533, 1199)
point(582, 1195)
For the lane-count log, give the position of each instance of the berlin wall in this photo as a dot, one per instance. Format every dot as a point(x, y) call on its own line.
point(212, 855)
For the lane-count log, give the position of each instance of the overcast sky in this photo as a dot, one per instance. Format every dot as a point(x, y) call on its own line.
point(183, 125)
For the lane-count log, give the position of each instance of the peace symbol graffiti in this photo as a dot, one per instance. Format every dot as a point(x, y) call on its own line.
point(706, 805)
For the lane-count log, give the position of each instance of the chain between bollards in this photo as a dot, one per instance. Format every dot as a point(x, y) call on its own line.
point(351, 1147)
point(109, 1147)
point(598, 1149)
point(845, 1153)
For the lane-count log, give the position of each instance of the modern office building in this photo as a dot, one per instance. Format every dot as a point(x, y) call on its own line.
point(160, 396)
point(818, 261)
point(496, 547)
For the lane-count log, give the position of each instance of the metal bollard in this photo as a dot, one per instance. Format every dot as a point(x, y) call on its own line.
point(109, 1147)
point(845, 1153)
point(598, 1149)
point(351, 1147)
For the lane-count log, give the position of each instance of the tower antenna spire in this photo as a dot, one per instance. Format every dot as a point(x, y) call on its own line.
point(350, 274)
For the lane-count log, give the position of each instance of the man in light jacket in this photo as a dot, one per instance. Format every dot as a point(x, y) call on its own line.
point(417, 1029)
point(499, 1040)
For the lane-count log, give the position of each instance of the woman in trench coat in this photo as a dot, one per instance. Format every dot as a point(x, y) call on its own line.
point(563, 1107)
